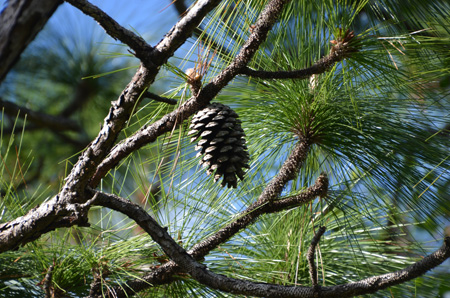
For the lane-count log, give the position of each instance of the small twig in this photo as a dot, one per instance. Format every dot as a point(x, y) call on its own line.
point(310, 256)
point(48, 282)
point(156, 97)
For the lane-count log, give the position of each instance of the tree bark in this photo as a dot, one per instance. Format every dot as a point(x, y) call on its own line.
point(20, 22)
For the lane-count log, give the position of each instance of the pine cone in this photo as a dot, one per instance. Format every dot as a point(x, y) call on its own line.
point(222, 143)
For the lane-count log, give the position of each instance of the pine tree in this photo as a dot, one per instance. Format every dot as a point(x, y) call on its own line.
point(326, 120)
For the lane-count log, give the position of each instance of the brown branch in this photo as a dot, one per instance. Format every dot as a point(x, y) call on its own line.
point(200, 273)
point(376, 283)
point(53, 214)
point(47, 284)
point(21, 21)
point(310, 257)
point(164, 273)
point(320, 188)
point(149, 134)
point(287, 172)
point(63, 210)
point(342, 48)
point(156, 97)
point(114, 29)
point(55, 123)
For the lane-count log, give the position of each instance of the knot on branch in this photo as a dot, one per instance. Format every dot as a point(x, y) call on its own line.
point(344, 44)
point(322, 184)
point(194, 79)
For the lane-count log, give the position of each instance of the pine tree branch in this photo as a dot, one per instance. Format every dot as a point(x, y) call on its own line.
point(320, 188)
point(63, 210)
point(122, 108)
point(55, 123)
point(342, 48)
point(114, 29)
point(149, 133)
point(199, 272)
point(53, 214)
point(288, 171)
point(163, 274)
point(310, 257)
point(21, 21)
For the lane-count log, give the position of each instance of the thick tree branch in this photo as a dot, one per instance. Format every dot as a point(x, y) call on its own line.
point(55, 123)
point(149, 134)
point(236, 286)
point(310, 256)
point(20, 22)
point(53, 214)
point(63, 209)
point(164, 273)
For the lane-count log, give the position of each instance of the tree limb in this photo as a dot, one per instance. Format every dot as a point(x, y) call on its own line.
point(113, 29)
point(236, 286)
point(149, 133)
point(53, 214)
point(55, 123)
point(21, 21)
point(342, 48)
point(63, 209)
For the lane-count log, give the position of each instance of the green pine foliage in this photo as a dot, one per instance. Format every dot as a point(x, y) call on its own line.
point(375, 121)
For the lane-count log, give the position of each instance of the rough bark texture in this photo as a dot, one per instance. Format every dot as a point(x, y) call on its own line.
point(149, 134)
point(20, 22)
point(63, 209)
point(188, 264)
point(70, 206)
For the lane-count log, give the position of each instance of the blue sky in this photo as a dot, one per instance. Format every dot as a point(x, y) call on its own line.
point(152, 20)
